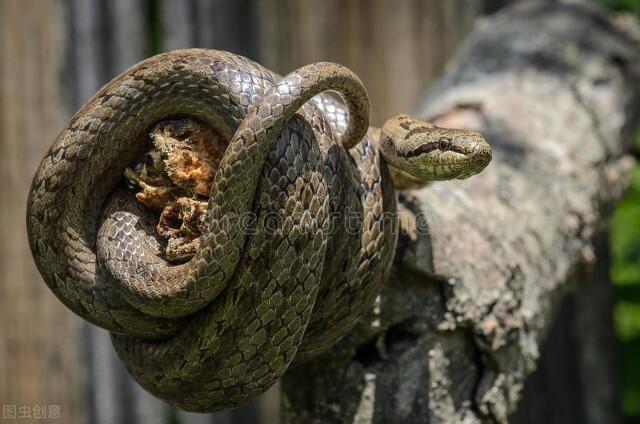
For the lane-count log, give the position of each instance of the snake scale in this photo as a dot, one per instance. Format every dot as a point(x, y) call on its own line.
point(300, 225)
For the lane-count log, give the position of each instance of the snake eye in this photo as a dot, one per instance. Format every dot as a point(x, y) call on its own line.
point(444, 143)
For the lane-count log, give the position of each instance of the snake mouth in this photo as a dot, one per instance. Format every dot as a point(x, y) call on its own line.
point(442, 146)
point(477, 161)
point(471, 164)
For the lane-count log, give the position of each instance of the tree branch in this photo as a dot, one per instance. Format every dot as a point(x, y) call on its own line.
point(555, 89)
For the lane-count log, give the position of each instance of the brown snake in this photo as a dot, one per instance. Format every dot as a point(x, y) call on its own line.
point(300, 227)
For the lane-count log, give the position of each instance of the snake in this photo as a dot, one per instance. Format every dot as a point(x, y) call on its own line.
point(300, 225)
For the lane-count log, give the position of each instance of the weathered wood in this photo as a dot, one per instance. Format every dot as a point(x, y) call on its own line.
point(39, 345)
point(555, 89)
point(576, 378)
point(396, 47)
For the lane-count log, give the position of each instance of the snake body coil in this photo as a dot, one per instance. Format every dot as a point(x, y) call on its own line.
point(297, 239)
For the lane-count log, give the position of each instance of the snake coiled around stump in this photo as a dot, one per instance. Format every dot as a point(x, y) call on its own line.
point(300, 225)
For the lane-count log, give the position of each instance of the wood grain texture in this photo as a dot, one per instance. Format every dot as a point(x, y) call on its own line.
point(396, 47)
point(39, 345)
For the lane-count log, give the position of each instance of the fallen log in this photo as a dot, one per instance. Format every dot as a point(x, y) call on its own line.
point(555, 89)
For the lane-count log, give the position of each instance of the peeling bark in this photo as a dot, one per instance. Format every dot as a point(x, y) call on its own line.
point(554, 88)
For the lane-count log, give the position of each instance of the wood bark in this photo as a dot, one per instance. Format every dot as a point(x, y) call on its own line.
point(580, 350)
point(459, 326)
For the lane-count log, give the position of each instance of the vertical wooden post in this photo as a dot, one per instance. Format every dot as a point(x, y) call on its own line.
point(396, 47)
point(41, 369)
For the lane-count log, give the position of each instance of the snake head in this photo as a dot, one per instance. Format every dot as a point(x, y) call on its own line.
point(430, 153)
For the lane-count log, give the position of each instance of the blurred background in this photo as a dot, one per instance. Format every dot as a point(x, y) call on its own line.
point(55, 54)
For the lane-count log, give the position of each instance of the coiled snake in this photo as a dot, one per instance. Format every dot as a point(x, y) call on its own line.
point(300, 226)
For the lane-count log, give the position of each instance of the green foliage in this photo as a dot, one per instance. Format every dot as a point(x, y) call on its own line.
point(630, 379)
point(625, 230)
point(625, 272)
point(622, 5)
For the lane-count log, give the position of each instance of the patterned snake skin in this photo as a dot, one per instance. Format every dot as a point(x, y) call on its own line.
point(300, 227)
